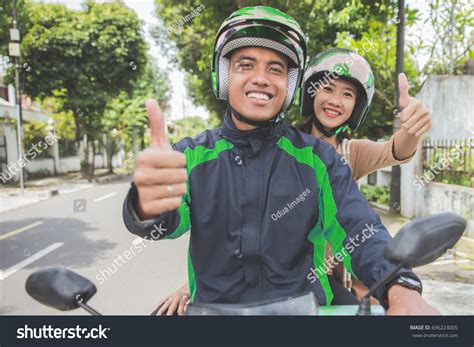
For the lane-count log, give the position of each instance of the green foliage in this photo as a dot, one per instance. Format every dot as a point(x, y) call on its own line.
point(451, 164)
point(63, 120)
point(126, 113)
point(187, 127)
point(23, 11)
point(34, 133)
point(83, 58)
point(378, 194)
point(326, 24)
point(452, 39)
point(349, 24)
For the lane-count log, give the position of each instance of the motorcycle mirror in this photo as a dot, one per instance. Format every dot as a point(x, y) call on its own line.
point(60, 288)
point(425, 239)
point(418, 243)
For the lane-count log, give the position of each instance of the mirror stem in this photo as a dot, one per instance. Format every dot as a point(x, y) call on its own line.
point(364, 306)
point(88, 308)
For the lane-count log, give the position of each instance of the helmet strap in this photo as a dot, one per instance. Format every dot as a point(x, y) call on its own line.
point(341, 129)
point(320, 127)
point(331, 132)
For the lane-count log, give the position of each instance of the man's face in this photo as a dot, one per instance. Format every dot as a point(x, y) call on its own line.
point(258, 79)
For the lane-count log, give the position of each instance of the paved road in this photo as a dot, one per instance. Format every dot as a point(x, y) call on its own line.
point(83, 231)
point(51, 233)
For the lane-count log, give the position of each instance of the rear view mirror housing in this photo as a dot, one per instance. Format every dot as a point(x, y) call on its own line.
point(59, 288)
point(425, 239)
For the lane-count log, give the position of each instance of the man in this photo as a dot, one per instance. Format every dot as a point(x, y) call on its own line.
point(261, 197)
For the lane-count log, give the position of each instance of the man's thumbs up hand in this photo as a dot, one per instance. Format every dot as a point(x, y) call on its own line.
point(415, 117)
point(160, 176)
point(159, 139)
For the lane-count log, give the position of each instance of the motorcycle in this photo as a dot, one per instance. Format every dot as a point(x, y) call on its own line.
point(418, 243)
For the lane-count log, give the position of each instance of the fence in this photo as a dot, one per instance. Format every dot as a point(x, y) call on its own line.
point(449, 161)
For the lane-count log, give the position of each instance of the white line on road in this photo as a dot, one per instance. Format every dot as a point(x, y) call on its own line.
point(10, 271)
point(105, 196)
point(20, 230)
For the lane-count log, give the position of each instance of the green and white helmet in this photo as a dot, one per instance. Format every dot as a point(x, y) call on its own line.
point(259, 26)
point(339, 63)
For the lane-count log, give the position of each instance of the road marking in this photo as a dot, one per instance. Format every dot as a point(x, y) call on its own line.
point(10, 271)
point(20, 230)
point(105, 196)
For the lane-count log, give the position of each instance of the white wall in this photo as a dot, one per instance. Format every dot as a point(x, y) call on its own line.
point(69, 164)
point(41, 165)
point(9, 131)
point(450, 100)
point(384, 176)
point(437, 197)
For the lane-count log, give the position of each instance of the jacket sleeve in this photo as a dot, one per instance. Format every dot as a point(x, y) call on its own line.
point(354, 231)
point(168, 225)
point(367, 156)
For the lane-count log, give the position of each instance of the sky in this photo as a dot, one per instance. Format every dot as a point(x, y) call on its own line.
point(180, 104)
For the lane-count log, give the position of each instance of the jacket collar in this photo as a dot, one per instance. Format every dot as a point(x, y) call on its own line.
point(230, 131)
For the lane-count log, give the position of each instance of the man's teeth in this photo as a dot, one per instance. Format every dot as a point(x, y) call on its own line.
point(258, 96)
point(332, 112)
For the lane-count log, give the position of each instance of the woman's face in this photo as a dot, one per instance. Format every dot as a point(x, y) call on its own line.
point(334, 102)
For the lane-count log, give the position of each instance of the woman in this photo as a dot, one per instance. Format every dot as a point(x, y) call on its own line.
point(337, 91)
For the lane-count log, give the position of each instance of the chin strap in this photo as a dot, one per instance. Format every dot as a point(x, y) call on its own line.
point(331, 132)
point(264, 124)
point(341, 129)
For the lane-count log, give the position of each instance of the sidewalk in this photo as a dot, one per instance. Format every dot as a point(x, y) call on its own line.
point(449, 281)
point(44, 188)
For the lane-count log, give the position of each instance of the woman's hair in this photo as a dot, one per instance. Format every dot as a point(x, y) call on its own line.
point(307, 127)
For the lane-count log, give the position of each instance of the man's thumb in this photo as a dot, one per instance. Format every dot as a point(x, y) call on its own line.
point(158, 137)
point(403, 88)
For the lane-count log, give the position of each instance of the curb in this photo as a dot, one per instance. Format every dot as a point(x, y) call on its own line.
point(111, 178)
point(380, 207)
point(45, 194)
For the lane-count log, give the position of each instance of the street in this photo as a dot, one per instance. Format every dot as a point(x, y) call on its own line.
point(83, 231)
point(50, 233)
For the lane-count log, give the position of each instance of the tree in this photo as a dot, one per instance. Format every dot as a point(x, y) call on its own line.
point(326, 24)
point(126, 116)
point(189, 126)
point(23, 10)
point(451, 43)
point(83, 58)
